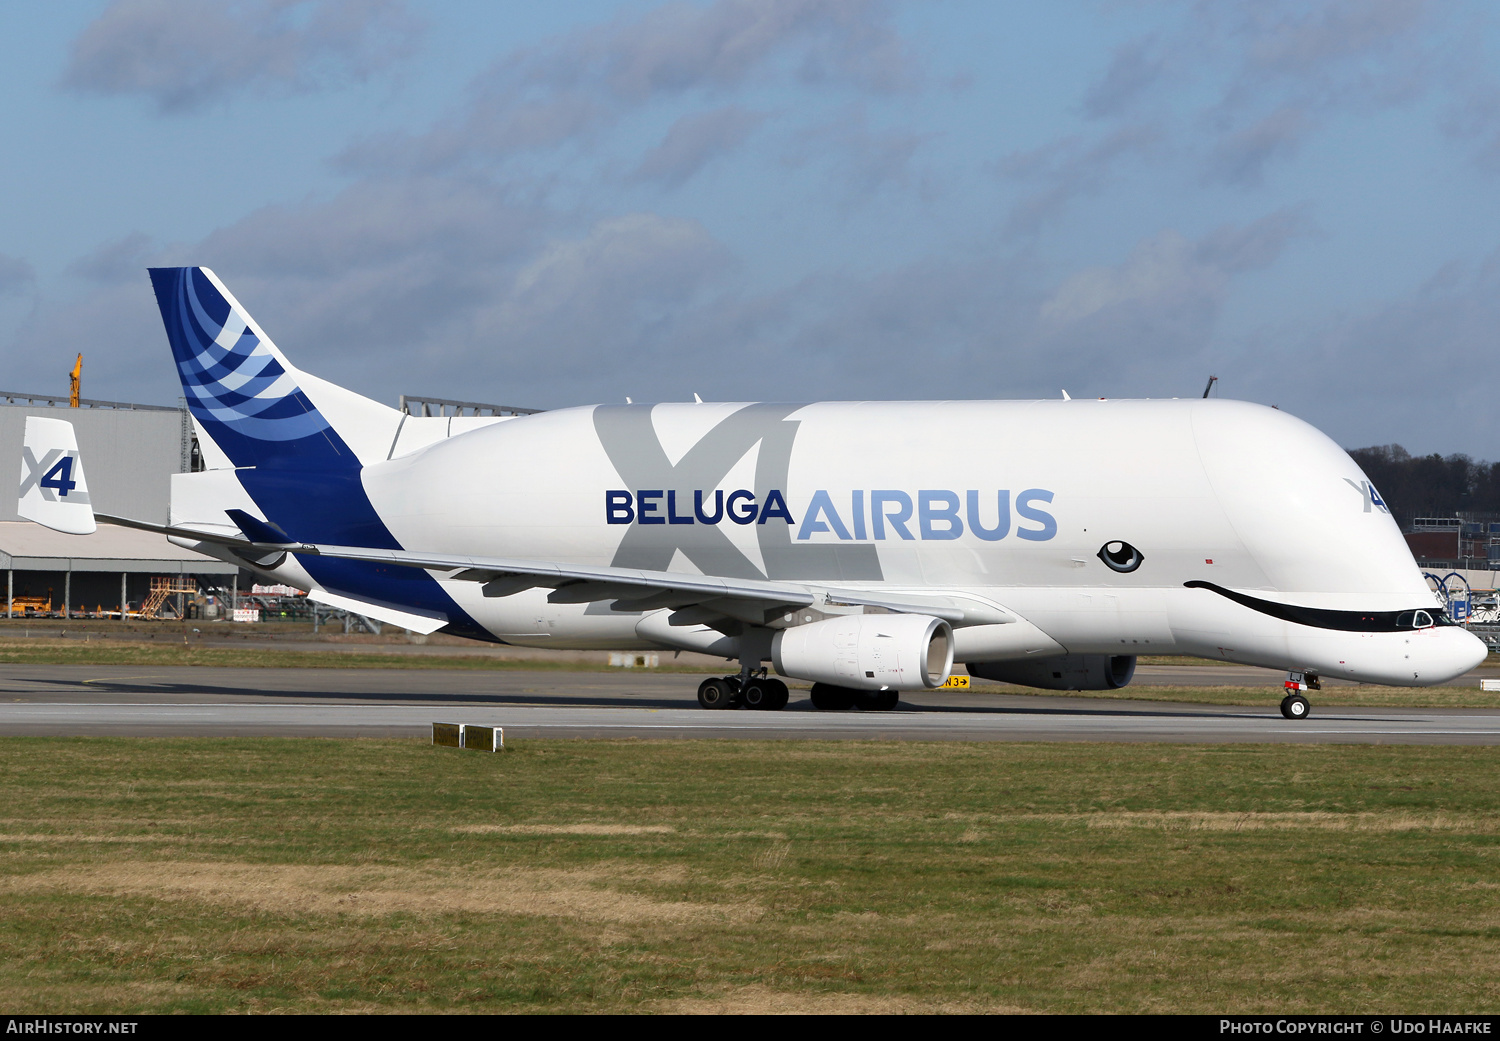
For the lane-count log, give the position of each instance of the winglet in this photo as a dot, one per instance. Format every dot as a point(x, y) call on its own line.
point(53, 492)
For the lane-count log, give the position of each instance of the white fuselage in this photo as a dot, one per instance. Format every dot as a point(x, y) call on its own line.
point(1005, 505)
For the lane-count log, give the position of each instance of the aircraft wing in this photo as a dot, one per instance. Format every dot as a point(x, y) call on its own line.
point(694, 598)
point(708, 596)
point(578, 583)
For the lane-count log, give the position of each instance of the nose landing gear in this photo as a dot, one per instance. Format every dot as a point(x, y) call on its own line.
point(1295, 705)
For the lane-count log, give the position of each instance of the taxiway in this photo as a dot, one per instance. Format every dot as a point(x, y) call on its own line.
point(208, 701)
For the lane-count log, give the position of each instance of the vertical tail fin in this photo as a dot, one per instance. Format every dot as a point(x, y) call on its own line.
point(53, 489)
point(247, 398)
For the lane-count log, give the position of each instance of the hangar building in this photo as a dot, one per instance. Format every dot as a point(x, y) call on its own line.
point(130, 453)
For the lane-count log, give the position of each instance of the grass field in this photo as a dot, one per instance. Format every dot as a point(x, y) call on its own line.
point(321, 875)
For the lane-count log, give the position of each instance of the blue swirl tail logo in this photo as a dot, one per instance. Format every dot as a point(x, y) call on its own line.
point(235, 383)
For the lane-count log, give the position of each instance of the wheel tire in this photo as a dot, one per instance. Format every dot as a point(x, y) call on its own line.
point(715, 693)
point(779, 695)
point(830, 698)
point(877, 700)
point(756, 695)
point(1295, 706)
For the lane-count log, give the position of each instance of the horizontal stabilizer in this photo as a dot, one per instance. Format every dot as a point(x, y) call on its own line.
point(257, 530)
point(53, 490)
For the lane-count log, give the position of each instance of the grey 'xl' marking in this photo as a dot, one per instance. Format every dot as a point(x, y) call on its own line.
point(630, 440)
point(1366, 489)
point(35, 471)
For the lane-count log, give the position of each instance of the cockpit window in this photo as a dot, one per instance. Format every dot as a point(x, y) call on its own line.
point(1424, 620)
point(1417, 620)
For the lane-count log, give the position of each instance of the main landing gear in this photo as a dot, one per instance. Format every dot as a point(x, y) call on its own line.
point(754, 691)
point(1295, 705)
point(759, 691)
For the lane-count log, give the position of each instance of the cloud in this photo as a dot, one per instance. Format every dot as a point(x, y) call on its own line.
point(1477, 118)
point(421, 285)
point(864, 160)
point(678, 47)
point(1336, 47)
point(1258, 77)
point(1165, 271)
point(465, 289)
point(583, 82)
point(1414, 362)
point(120, 260)
point(626, 262)
point(990, 325)
point(1069, 169)
point(694, 141)
point(1136, 66)
point(184, 54)
point(1241, 158)
point(1169, 271)
point(506, 299)
point(16, 276)
point(1256, 245)
point(438, 260)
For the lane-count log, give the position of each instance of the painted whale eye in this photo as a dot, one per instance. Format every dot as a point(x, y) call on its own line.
point(1120, 556)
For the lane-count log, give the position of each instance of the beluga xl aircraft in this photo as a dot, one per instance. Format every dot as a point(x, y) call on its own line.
point(863, 546)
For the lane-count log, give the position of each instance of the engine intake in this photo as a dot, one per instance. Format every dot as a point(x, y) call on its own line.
point(1064, 672)
point(868, 651)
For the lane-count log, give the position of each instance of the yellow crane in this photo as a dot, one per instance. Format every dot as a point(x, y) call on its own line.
point(75, 382)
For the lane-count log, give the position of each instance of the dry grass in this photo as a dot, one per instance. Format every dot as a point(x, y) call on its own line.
point(565, 829)
point(377, 890)
point(1202, 820)
point(756, 1000)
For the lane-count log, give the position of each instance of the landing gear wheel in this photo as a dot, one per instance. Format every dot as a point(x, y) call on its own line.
point(755, 695)
point(766, 694)
point(779, 695)
point(1295, 706)
point(827, 696)
point(715, 693)
point(877, 700)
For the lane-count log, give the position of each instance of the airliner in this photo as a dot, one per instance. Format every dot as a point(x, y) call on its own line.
point(864, 546)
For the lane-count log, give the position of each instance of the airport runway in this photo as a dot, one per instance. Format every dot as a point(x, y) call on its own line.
point(206, 701)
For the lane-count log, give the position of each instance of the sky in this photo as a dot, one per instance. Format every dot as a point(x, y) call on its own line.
point(558, 204)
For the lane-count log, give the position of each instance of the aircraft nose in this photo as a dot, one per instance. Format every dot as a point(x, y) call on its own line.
point(1461, 651)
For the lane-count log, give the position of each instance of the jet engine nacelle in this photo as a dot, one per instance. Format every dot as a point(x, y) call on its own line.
point(868, 651)
point(1064, 672)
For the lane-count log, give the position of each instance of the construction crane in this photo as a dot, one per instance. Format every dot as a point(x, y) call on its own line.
point(75, 382)
point(1211, 381)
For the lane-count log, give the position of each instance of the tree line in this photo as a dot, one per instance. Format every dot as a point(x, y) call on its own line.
point(1430, 485)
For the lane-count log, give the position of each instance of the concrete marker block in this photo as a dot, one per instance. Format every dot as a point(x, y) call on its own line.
point(483, 739)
